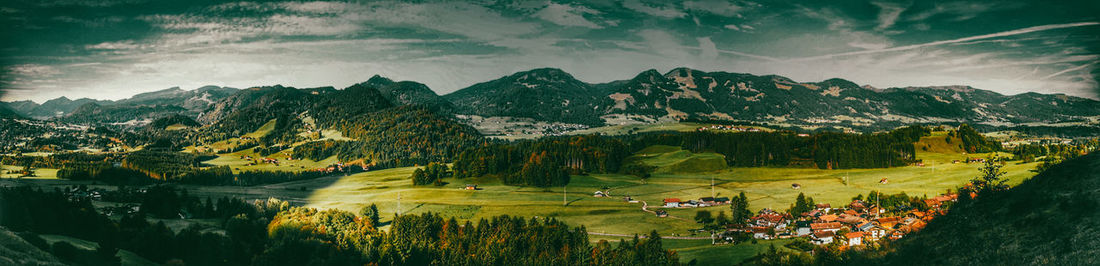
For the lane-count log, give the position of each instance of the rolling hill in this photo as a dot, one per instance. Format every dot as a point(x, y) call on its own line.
point(545, 94)
point(409, 93)
point(1050, 219)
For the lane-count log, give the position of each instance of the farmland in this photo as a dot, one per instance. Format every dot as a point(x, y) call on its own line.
point(679, 174)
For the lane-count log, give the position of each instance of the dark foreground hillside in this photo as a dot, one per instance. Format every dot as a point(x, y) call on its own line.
point(1052, 219)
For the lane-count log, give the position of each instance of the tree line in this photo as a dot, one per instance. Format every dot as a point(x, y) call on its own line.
point(273, 233)
point(543, 162)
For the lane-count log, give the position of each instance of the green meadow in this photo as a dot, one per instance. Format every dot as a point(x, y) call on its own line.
point(679, 174)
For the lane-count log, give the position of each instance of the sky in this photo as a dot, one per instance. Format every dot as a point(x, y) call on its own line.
point(113, 49)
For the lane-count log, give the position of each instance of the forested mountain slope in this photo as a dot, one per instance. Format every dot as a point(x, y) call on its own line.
point(1051, 219)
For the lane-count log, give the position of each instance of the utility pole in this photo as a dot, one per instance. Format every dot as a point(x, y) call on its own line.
point(712, 190)
point(564, 196)
point(399, 203)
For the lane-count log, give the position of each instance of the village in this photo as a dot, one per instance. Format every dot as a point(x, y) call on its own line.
point(859, 223)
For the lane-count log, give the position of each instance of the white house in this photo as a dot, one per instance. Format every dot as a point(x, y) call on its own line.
point(823, 237)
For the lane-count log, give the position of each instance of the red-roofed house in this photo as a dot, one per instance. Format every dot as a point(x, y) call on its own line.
point(832, 227)
point(823, 237)
point(672, 203)
point(854, 239)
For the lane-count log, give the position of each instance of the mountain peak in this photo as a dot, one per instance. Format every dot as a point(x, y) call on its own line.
point(378, 81)
point(61, 99)
point(839, 82)
point(542, 74)
point(680, 71)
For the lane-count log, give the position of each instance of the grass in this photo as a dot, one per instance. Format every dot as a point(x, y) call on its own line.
point(671, 159)
point(234, 161)
point(126, 257)
point(40, 173)
point(765, 188)
point(16, 251)
point(680, 174)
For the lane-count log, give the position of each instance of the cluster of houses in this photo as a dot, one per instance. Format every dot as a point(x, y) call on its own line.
point(729, 127)
point(856, 224)
point(702, 202)
point(84, 193)
point(256, 161)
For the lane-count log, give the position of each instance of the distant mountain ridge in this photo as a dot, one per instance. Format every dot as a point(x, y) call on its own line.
point(192, 101)
point(553, 95)
point(685, 93)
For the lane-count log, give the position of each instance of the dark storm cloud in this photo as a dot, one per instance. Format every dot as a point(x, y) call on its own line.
point(113, 49)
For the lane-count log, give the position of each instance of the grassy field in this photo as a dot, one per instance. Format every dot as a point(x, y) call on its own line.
point(671, 159)
point(40, 173)
point(680, 174)
point(127, 257)
point(234, 161)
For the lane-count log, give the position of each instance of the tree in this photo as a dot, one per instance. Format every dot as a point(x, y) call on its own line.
point(371, 212)
point(739, 209)
point(990, 175)
point(800, 205)
point(703, 217)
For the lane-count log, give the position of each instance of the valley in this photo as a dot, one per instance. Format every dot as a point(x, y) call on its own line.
point(536, 145)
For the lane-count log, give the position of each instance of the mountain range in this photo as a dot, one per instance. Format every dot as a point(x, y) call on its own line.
point(683, 93)
point(552, 95)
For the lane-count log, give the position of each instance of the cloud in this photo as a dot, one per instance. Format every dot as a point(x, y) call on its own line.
point(566, 15)
point(888, 14)
point(867, 45)
point(119, 45)
point(87, 3)
point(33, 70)
point(961, 10)
point(959, 40)
point(717, 7)
point(708, 48)
point(845, 25)
point(659, 11)
point(1076, 68)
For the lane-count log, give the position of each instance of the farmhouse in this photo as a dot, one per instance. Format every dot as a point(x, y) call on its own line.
point(760, 232)
point(661, 213)
point(854, 239)
point(803, 228)
point(672, 203)
point(823, 237)
point(832, 227)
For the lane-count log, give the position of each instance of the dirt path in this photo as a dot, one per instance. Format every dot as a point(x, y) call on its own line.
point(645, 207)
